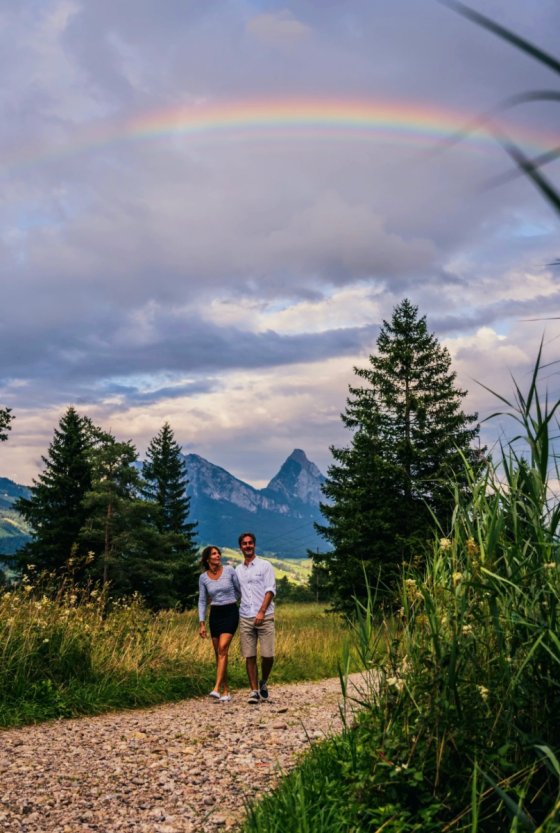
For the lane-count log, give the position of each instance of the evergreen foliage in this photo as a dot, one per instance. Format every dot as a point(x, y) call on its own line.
point(95, 518)
point(409, 438)
point(5, 423)
point(55, 509)
point(165, 485)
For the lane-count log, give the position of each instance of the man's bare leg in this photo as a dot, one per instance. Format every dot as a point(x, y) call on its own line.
point(251, 665)
point(266, 667)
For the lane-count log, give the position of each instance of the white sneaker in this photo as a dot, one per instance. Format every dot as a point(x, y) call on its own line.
point(225, 698)
point(215, 695)
point(254, 697)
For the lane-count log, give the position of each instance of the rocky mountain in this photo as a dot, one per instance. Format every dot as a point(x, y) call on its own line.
point(281, 515)
point(13, 530)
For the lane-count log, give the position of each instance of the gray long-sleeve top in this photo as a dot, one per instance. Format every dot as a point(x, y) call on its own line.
point(221, 591)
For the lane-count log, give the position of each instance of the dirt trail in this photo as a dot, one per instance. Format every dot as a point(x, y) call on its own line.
point(179, 768)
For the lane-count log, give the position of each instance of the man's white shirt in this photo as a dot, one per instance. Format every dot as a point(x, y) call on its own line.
point(256, 579)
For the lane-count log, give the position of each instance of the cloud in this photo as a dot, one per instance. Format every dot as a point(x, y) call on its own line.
point(148, 272)
point(277, 28)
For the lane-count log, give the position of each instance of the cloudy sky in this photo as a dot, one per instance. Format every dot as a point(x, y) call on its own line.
point(209, 207)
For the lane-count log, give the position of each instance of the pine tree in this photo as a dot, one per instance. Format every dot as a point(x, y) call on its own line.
point(55, 509)
point(129, 552)
point(409, 433)
point(5, 423)
point(166, 486)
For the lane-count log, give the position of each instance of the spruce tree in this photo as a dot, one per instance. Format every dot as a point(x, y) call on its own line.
point(55, 508)
point(409, 433)
point(128, 551)
point(5, 423)
point(166, 484)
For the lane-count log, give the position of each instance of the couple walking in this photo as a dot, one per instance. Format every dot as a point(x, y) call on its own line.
point(220, 586)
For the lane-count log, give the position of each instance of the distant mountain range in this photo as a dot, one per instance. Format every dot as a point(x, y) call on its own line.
point(281, 515)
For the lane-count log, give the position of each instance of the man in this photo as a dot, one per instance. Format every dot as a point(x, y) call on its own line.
point(256, 612)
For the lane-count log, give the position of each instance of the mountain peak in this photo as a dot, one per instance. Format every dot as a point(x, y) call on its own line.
point(281, 516)
point(298, 478)
point(299, 456)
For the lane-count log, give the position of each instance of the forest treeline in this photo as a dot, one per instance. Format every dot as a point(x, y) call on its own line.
point(99, 516)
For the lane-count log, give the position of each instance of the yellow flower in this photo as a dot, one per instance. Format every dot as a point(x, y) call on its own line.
point(444, 544)
point(472, 546)
point(467, 629)
point(456, 577)
point(483, 691)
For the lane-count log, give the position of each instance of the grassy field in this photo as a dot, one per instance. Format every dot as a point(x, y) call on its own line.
point(67, 656)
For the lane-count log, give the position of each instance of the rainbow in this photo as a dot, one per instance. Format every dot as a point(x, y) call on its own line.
point(410, 124)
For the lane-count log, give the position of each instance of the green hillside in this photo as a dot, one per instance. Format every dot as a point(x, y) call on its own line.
point(14, 532)
point(297, 570)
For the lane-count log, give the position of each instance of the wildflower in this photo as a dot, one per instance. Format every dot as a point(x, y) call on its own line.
point(27, 588)
point(466, 630)
point(444, 544)
point(550, 565)
point(395, 682)
point(45, 640)
point(456, 578)
point(472, 546)
point(483, 691)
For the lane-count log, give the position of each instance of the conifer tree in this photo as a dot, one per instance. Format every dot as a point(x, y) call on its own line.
point(408, 436)
point(5, 423)
point(128, 551)
point(166, 484)
point(55, 508)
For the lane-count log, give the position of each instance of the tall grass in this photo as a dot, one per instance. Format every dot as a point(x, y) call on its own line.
point(460, 729)
point(70, 652)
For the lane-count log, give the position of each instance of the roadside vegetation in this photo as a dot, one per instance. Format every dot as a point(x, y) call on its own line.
point(460, 727)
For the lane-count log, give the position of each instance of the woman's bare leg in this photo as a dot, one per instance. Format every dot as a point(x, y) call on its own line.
point(222, 649)
point(215, 641)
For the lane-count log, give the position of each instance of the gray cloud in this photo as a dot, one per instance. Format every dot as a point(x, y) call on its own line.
point(117, 242)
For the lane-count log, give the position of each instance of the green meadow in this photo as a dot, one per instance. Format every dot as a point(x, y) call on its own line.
point(73, 654)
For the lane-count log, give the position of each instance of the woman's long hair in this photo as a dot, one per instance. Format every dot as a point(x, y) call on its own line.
point(205, 555)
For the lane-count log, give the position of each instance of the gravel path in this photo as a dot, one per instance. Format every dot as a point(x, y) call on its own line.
point(179, 768)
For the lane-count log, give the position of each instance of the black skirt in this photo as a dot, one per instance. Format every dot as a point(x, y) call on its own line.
point(223, 619)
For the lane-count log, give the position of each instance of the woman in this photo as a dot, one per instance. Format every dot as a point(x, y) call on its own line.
point(218, 586)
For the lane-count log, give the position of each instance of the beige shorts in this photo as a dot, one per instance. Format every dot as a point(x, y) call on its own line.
point(249, 635)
